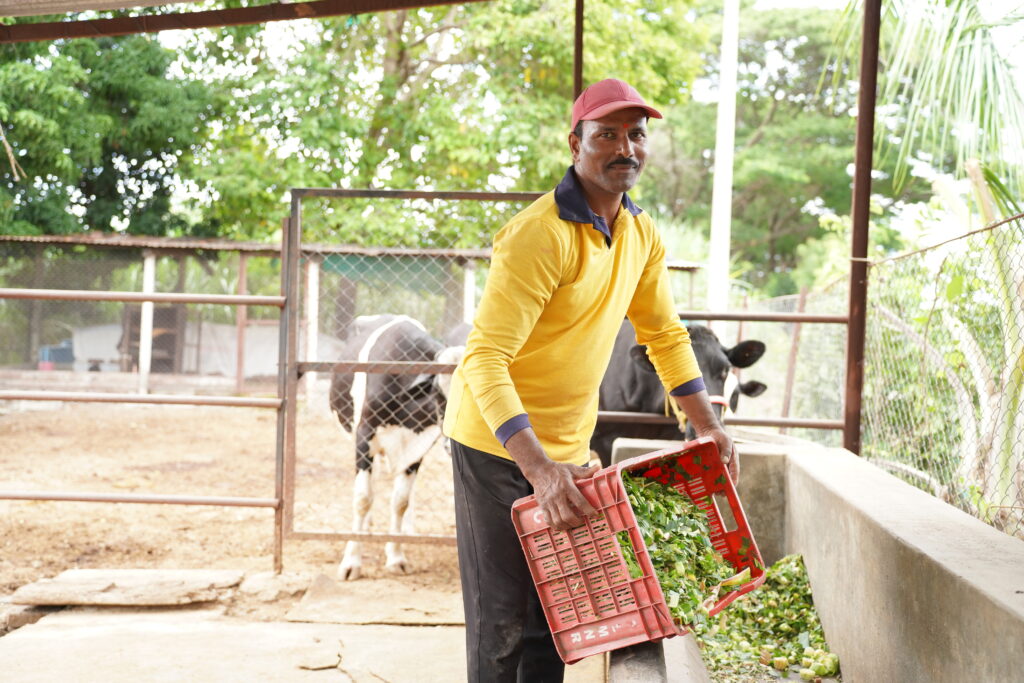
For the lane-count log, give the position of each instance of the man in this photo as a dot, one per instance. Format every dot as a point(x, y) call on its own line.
point(523, 403)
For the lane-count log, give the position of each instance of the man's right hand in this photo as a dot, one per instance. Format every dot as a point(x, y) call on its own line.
point(554, 483)
point(559, 497)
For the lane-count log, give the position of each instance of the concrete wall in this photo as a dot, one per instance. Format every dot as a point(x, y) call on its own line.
point(908, 588)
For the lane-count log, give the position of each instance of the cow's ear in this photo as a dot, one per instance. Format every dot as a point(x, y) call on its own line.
point(639, 355)
point(746, 353)
point(752, 388)
point(420, 386)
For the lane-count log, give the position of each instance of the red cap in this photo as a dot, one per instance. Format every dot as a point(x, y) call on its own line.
point(605, 97)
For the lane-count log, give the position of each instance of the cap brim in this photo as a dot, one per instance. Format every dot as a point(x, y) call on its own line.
point(606, 109)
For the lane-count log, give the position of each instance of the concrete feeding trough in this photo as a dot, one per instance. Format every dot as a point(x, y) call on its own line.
point(908, 588)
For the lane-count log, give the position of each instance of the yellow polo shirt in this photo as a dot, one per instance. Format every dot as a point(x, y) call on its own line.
point(559, 285)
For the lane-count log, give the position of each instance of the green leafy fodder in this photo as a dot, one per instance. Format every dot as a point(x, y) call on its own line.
point(774, 628)
point(678, 540)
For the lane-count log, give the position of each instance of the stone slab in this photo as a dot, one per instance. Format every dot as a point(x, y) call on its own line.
point(16, 616)
point(123, 645)
point(269, 587)
point(120, 587)
point(336, 602)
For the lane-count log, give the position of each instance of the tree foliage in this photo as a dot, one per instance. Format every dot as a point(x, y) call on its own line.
point(794, 143)
point(472, 97)
point(100, 130)
point(943, 66)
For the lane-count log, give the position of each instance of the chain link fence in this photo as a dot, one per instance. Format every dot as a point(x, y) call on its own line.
point(804, 363)
point(196, 344)
point(943, 400)
point(384, 305)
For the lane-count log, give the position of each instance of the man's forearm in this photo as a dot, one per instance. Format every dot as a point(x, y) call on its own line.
point(526, 451)
point(698, 411)
point(702, 416)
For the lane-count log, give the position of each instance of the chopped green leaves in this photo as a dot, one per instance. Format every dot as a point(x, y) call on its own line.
point(678, 541)
point(775, 627)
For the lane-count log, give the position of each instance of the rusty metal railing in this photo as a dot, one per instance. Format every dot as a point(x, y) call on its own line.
point(160, 399)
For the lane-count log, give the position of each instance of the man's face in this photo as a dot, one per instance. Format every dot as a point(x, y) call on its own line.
point(612, 150)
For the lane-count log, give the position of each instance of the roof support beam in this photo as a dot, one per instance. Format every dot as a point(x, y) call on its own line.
point(122, 26)
point(860, 213)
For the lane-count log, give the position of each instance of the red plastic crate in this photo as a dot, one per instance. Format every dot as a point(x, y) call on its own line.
point(591, 603)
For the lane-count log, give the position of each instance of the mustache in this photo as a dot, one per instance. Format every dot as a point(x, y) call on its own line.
point(623, 161)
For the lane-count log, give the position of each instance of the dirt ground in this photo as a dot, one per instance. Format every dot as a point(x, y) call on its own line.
point(200, 451)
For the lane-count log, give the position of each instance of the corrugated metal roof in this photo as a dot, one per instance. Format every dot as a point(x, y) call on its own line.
point(115, 241)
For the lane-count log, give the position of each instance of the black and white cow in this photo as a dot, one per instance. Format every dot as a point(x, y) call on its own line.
point(397, 416)
point(630, 384)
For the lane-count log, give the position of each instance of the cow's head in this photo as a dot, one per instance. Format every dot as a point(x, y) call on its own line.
point(716, 363)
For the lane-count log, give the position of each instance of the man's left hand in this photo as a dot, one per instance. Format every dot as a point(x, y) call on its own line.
point(726, 450)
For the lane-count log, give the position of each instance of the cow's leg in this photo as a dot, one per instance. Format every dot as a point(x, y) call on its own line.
point(396, 561)
point(414, 447)
point(362, 499)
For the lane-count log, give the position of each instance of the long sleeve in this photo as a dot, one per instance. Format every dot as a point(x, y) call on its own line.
point(652, 312)
point(526, 269)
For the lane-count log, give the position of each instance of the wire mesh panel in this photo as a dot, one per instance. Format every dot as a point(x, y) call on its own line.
point(943, 400)
point(43, 340)
point(369, 454)
point(804, 363)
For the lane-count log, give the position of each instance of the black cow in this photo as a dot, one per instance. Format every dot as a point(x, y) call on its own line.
point(397, 416)
point(630, 384)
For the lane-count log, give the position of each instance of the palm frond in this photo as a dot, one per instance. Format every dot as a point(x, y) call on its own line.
point(941, 65)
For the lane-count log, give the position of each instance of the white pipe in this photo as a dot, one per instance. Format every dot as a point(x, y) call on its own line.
point(312, 322)
point(725, 139)
point(146, 321)
point(469, 291)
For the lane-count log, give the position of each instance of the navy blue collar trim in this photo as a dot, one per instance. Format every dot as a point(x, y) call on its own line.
point(572, 205)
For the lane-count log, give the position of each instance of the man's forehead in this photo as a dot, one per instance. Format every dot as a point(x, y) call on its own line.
point(633, 117)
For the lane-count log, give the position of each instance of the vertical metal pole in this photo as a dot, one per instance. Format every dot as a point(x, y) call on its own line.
point(241, 320)
point(146, 321)
point(720, 243)
point(312, 299)
point(860, 214)
point(291, 351)
point(794, 350)
point(469, 291)
point(577, 64)
point(282, 391)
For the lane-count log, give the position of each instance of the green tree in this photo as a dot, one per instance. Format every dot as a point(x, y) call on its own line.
point(944, 66)
point(99, 130)
point(794, 143)
point(471, 97)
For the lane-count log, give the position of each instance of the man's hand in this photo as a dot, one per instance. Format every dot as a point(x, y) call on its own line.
point(700, 414)
point(726, 451)
point(554, 483)
point(559, 497)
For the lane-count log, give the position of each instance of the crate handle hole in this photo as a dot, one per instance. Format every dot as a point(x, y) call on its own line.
point(725, 512)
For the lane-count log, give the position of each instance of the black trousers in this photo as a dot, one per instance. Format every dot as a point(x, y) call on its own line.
point(507, 636)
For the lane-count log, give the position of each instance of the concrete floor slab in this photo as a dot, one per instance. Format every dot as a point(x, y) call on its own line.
point(123, 645)
point(337, 602)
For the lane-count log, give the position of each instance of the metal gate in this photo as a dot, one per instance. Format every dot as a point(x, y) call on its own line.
point(338, 301)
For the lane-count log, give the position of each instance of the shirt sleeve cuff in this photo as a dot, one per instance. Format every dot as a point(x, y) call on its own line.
point(691, 387)
point(511, 426)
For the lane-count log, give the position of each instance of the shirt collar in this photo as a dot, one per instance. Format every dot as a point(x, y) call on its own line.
point(572, 205)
